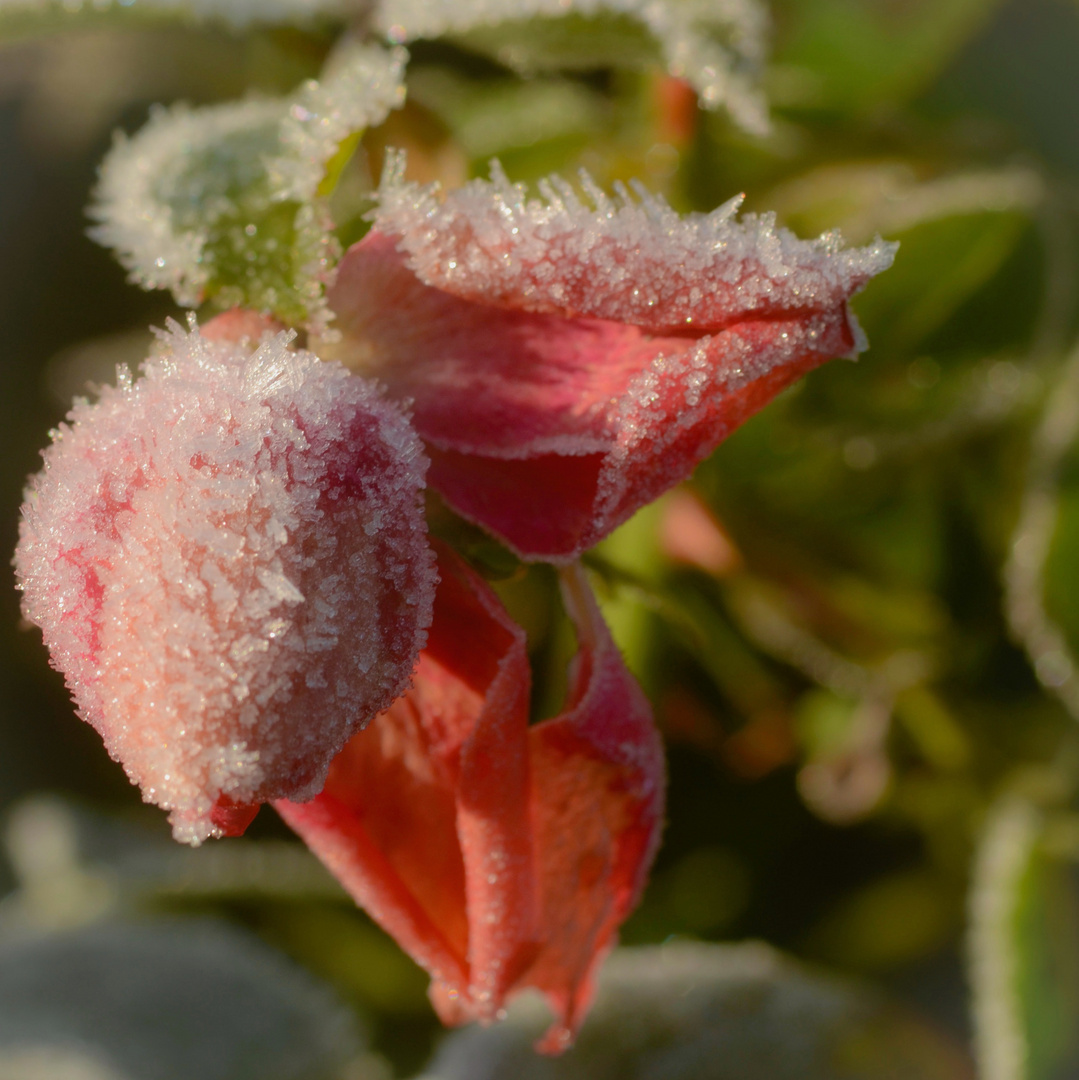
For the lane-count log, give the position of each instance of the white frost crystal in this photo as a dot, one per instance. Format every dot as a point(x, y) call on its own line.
point(162, 191)
point(359, 87)
point(631, 259)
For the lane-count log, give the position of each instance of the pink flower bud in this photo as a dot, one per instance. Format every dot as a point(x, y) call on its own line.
point(229, 563)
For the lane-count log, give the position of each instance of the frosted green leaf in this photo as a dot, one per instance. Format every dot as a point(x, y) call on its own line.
point(718, 46)
point(223, 203)
point(170, 1000)
point(1024, 949)
point(690, 1011)
point(359, 87)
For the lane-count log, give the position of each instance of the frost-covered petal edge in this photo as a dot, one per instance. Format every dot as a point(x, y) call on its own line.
point(631, 259)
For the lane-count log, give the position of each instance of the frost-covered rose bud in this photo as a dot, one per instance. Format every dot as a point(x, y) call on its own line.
point(229, 562)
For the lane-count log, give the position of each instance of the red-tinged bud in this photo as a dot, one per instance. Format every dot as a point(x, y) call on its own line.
point(229, 563)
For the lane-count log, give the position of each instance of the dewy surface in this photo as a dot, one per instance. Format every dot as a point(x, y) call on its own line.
point(229, 563)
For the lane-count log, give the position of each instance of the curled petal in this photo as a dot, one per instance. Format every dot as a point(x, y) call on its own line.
point(597, 811)
point(500, 856)
point(229, 563)
point(568, 364)
point(425, 819)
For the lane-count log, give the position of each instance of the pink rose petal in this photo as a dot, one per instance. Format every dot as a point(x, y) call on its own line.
point(229, 563)
point(567, 364)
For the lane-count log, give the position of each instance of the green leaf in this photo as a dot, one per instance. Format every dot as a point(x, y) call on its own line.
point(862, 54)
point(224, 203)
point(718, 48)
point(173, 1000)
point(34, 18)
point(1024, 949)
point(688, 1011)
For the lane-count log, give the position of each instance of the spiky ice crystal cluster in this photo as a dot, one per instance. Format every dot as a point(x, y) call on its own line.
point(229, 563)
point(718, 46)
point(630, 260)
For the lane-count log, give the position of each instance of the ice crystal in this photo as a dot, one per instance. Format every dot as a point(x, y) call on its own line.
point(360, 86)
point(164, 192)
point(630, 260)
point(718, 46)
point(229, 563)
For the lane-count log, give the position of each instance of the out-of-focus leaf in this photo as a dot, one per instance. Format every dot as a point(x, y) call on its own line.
point(938, 266)
point(24, 18)
point(1060, 573)
point(866, 198)
point(687, 1011)
point(344, 947)
point(570, 43)
point(718, 48)
point(1024, 949)
point(937, 733)
point(178, 999)
point(866, 53)
point(489, 118)
point(895, 920)
point(1040, 579)
point(74, 866)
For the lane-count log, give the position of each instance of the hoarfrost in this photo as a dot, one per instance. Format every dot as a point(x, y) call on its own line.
point(358, 89)
point(156, 211)
point(569, 358)
point(631, 259)
point(224, 199)
point(198, 554)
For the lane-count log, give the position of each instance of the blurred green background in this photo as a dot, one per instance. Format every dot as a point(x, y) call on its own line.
point(859, 623)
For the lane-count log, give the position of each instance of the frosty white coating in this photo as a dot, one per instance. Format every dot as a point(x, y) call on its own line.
point(718, 46)
point(359, 87)
point(228, 560)
point(135, 203)
point(631, 260)
point(164, 193)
